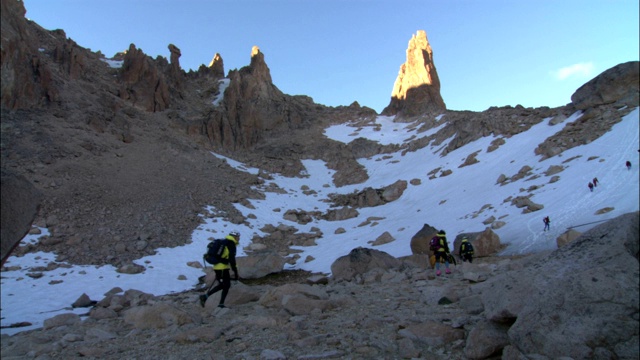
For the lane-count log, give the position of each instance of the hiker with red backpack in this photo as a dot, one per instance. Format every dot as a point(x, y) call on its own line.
point(547, 223)
point(440, 249)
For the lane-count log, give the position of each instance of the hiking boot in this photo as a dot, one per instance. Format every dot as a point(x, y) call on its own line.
point(203, 300)
point(448, 271)
point(221, 306)
point(438, 273)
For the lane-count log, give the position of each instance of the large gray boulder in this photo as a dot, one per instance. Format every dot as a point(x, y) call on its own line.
point(485, 243)
point(580, 301)
point(619, 83)
point(360, 261)
point(257, 265)
point(20, 204)
point(420, 241)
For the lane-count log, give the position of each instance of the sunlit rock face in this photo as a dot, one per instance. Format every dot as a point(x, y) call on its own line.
point(417, 87)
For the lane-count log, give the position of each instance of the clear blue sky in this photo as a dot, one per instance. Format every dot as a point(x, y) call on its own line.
point(487, 53)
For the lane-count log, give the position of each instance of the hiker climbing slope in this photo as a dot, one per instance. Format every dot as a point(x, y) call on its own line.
point(547, 223)
point(466, 250)
point(440, 249)
point(227, 262)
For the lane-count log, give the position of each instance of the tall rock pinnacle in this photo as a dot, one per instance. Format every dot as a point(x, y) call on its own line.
point(417, 88)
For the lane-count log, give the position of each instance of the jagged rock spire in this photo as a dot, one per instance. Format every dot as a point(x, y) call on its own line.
point(217, 65)
point(417, 88)
point(258, 66)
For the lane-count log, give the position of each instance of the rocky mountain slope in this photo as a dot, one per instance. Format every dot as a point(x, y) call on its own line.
point(578, 302)
point(120, 152)
point(117, 150)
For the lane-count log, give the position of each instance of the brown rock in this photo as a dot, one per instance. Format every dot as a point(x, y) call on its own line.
point(567, 237)
point(420, 241)
point(417, 87)
point(143, 82)
point(617, 84)
point(216, 66)
point(26, 77)
point(484, 243)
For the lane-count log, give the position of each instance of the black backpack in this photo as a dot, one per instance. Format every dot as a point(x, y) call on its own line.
point(215, 249)
point(466, 248)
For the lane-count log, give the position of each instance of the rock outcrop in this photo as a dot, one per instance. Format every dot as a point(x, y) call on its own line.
point(252, 106)
point(217, 65)
point(143, 83)
point(580, 301)
point(20, 204)
point(417, 87)
point(27, 80)
point(618, 84)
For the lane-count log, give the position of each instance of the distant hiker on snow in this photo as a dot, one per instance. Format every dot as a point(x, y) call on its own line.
point(547, 223)
point(595, 181)
point(590, 186)
point(466, 250)
point(221, 268)
point(628, 165)
point(440, 249)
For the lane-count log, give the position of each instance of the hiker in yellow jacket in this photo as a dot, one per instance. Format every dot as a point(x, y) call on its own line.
point(222, 269)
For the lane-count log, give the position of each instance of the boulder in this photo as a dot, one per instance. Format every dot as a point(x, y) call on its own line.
point(156, 316)
point(567, 237)
point(420, 241)
point(61, 320)
point(360, 261)
point(259, 264)
point(239, 294)
point(20, 204)
point(484, 243)
point(485, 340)
point(617, 84)
point(385, 238)
point(432, 333)
point(274, 297)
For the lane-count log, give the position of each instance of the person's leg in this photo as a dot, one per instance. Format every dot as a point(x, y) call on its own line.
point(219, 279)
point(212, 290)
point(438, 256)
point(226, 284)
